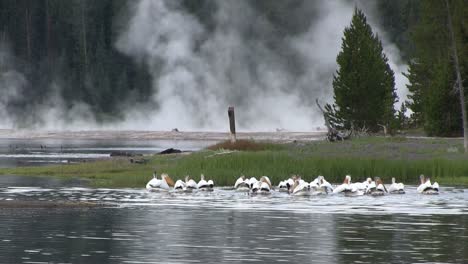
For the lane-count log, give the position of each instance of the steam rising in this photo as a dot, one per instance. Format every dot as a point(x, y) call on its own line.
point(237, 56)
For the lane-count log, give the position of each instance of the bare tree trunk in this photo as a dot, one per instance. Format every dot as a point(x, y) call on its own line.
point(48, 24)
point(459, 79)
point(28, 31)
point(83, 31)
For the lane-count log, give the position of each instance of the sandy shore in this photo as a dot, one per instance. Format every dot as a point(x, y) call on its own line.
point(159, 135)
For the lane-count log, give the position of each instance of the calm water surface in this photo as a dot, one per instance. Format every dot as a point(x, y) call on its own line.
point(226, 226)
point(22, 152)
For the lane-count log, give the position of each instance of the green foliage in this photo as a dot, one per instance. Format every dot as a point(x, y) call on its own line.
point(364, 85)
point(434, 101)
point(402, 121)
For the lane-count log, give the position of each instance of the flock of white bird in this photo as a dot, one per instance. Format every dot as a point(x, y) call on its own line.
point(294, 186)
point(189, 185)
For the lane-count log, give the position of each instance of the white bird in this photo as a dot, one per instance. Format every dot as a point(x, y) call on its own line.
point(179, 186)
point(190, 184)
point(252, 182)
point(426, 187)
point(376, 188)
point(210, 185)
point(347, 188)
point(283, 186)
point(242, 184)
point(363, 186)
point(204, 185)
point(263, 186)
point(289, 183)
point(162, 184)
point(325, 186)
point(300, 187)
point(315, 184)
point(396, 188)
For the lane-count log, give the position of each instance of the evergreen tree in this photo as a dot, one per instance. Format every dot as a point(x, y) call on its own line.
point(434, 101)
point(364, 84)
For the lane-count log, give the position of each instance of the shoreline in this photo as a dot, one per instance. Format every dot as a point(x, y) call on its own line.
point(280, 136)
point(386, 157)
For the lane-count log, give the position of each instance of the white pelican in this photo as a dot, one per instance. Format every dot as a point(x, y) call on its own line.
point(263, 186)
point(162, 184)
point(376, 188)
point(315, 184)
point(242, 184)
point(362, 186)
point(179, 186)
point(203, 185)
point(426, 187)
point(396, 188)
point(252, 182)
point(210, 185)
point(300, 187)
point(325, 186)
point(320, 186)
point(190, 184)
point(283, 186)
point(347, 188)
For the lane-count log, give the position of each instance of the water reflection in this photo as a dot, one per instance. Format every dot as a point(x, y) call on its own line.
point(226, 226)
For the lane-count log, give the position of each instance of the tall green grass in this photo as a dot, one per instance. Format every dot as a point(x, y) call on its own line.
point(333, 161)
point(225, 169)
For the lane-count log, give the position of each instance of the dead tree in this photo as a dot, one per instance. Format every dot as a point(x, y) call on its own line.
point(459, 79)
point(333, 134)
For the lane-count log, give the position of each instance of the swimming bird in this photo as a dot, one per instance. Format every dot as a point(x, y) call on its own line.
point(347, 188)
point(265, 185)
point(315, 185)
point(242, 184)
point(300, 187)
point(376, 188)
point(282, 186)
point(362, 186)
point(190, 184)
point(285, 186)
point(426, 187)
point(396, 188)
point(204, 185)
point(325, 186)
point(179, 186)
point(262, 186)
point(162, 184)
point(210, 185)
point(252, 182)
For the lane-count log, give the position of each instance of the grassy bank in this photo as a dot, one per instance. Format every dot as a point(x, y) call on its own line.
point(402, 158)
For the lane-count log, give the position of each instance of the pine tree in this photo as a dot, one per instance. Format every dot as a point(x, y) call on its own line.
point(434, 101)
point(364, 84)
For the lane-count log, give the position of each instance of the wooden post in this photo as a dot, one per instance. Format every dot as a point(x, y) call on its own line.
point(232, 123)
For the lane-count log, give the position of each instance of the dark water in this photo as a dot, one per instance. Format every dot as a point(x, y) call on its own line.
point(21, 152)
point(230, 227)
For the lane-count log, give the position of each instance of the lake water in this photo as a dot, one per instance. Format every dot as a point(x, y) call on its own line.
point(33, 152)
point(225, 226)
